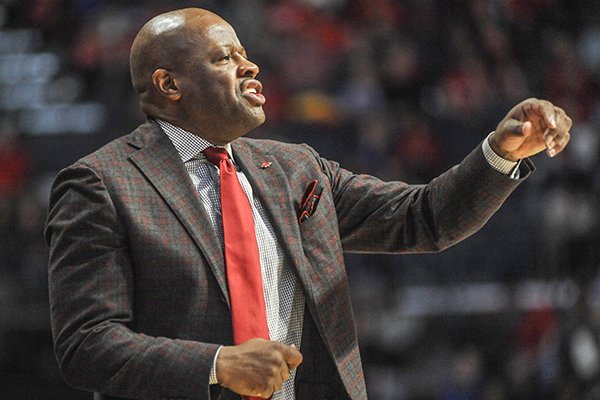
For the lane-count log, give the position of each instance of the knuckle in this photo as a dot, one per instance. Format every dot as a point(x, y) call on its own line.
point(267, 393)
point(264, 392)
point(255, 391)
point(274, 371)
point(274, 380)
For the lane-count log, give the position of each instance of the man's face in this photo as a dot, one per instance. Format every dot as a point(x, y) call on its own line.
point(220, 98)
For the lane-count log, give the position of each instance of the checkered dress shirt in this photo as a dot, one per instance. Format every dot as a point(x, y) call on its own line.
point(500, 164)
point(283, 296)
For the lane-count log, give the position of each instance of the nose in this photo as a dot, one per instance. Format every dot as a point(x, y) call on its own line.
point(248, 69)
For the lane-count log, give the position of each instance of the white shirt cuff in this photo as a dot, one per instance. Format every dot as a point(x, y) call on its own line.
point(212, 380)
point(502, 165)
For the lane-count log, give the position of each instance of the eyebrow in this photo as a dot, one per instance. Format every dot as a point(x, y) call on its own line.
point(241, 49)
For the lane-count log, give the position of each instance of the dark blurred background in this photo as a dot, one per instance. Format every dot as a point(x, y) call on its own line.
point(399, 89)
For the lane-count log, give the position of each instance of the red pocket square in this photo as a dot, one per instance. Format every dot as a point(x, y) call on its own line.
point(310, 200)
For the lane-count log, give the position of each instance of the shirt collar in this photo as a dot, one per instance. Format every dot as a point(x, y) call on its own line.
point(188, 145)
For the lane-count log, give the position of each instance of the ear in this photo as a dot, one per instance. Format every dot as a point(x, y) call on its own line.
point(165, 84)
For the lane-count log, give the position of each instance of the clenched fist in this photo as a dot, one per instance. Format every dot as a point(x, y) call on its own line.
point(257, 367)
point(530, 127)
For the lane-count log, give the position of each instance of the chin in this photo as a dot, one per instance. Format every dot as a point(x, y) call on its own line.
point(247, 120)
point(262, 118)
point(258, 118)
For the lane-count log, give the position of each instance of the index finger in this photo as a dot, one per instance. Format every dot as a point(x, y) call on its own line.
point(546, 110)
point(292, 356)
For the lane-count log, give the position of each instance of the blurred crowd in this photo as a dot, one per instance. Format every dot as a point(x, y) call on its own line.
point(401, 89)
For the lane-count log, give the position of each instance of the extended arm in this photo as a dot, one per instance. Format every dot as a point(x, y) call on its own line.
point(377, 216)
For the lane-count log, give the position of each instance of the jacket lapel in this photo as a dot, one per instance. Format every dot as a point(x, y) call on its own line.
point(160, 163)
point(272, 187)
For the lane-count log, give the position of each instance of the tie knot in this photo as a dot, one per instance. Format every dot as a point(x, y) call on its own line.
point(215, 154)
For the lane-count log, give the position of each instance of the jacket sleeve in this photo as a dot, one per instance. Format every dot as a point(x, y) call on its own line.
point(91, 302)
point(377, 216)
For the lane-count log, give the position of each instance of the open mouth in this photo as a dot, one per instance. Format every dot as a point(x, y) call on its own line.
point(252, 91)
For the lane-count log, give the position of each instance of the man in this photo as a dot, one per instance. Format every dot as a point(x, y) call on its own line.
point(140, 295)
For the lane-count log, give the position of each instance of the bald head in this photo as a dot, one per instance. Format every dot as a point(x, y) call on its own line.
point(164, 40)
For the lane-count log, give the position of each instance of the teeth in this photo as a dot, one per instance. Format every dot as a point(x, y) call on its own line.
point(251, 90)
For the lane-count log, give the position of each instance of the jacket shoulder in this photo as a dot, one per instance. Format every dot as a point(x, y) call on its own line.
point(278, 149)
point(119, 149)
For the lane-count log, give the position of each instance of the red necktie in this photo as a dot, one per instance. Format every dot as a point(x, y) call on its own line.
point(242, 260)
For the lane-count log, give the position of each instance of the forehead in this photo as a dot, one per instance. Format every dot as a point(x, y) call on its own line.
point(219, 34)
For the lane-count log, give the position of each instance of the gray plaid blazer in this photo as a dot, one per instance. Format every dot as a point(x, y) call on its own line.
point(138, 293)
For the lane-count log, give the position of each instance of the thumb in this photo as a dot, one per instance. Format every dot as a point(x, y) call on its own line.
point(515, 127)
point(292, 356)
point(527, 128)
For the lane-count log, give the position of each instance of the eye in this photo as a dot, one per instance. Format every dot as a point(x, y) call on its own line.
point(226, 57)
